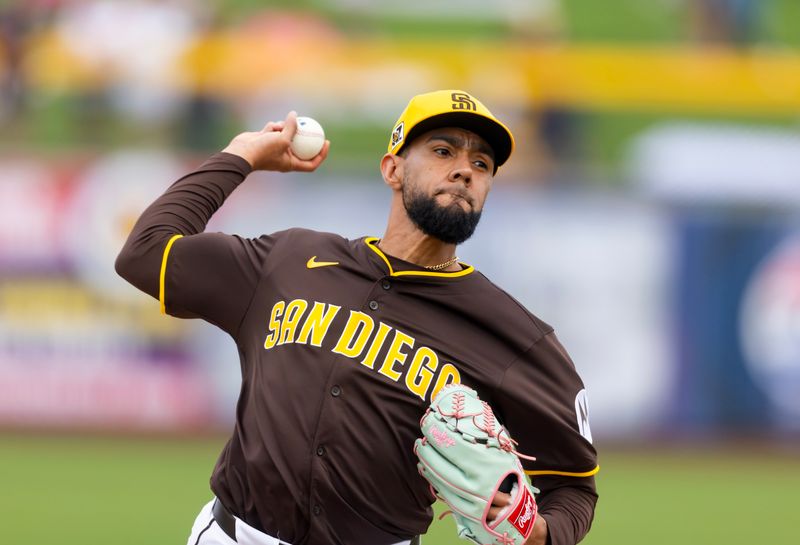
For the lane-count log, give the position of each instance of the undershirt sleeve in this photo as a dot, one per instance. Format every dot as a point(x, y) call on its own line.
point(567, 504)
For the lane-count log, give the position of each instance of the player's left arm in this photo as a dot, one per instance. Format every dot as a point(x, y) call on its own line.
point(542, 403)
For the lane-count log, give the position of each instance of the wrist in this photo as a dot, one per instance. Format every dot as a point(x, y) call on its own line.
point(240, 152)
point(540, 532)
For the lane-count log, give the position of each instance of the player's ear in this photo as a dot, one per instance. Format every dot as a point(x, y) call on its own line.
point(392, 170)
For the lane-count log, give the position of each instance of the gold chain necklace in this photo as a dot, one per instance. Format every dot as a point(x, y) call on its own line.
point(441, 266)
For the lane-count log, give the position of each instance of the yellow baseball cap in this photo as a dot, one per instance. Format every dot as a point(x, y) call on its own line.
point(451, 108)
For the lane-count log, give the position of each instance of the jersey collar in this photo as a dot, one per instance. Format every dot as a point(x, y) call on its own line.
point(371, 243)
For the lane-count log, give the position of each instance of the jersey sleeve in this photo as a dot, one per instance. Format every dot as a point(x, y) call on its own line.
point(193, 273)
point(542, 402)
point(212, 276)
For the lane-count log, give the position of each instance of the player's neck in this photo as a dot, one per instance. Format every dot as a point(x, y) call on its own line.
point(414, 246)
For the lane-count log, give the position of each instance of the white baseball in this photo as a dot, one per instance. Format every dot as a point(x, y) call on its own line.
point(309, 138)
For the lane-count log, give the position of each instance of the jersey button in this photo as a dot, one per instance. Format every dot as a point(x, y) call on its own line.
point(336, 391)
point(320, 450)
point(373, 305)
point(386, 285)
point(317, 510)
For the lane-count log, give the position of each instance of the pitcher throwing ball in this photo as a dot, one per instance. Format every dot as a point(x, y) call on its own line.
point(343, 344)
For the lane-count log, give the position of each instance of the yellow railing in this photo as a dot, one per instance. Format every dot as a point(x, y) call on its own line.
point(588, 76)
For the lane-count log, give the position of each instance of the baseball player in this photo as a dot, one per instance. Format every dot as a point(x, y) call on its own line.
point(344, 343)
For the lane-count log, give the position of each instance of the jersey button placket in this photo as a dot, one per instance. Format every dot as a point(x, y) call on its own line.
point(336, 390)
point(373, 305)
point(320, 450)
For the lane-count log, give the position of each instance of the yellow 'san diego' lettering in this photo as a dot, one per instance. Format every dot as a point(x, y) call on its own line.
point(376, 345)
point(317, 324)
point(420, 373)
point(355, 335)
point(274, 324)
point(294, 311)
point(301, 322)
point(396, 355)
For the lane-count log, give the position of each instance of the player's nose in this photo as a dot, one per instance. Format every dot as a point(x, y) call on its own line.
point(461, 171)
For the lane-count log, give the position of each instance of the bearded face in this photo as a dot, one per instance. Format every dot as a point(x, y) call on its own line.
point(446, 176)
point(449, 223)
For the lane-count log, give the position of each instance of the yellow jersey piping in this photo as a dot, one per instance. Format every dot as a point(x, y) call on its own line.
point(369, 242)
point(163, 274)
point(564, 473)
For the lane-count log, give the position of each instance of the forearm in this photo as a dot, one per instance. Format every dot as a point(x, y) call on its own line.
point(567, 504)
point(185, 209)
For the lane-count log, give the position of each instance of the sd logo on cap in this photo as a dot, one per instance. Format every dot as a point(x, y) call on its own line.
point(451, 108)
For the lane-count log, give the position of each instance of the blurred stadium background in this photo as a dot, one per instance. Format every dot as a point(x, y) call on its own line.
point(658, 167)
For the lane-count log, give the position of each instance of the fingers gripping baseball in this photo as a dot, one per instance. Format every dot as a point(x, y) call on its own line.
point(273, 126)
point(270, 148)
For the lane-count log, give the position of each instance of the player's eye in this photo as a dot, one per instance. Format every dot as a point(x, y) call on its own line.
point(442, 152)
point(481, 164)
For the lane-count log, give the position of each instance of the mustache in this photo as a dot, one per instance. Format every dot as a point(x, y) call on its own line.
point(458, 193)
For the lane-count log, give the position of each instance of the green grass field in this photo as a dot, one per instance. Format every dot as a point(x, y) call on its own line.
point(100, 490)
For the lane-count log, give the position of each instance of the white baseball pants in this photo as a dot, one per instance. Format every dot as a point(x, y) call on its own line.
point(206, 531)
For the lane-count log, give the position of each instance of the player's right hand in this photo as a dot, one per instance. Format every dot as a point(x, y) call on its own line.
point(270, 148)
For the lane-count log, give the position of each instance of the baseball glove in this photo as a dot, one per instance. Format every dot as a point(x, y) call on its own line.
point(467, 457)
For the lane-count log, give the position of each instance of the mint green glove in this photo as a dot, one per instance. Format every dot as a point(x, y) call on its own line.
point(467, 457)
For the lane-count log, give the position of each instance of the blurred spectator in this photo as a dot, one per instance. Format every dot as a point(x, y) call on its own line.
point(14, 25)
point(541, 20)
point(205, 114)
point(17, 21)
point(557, 145)
point(134, 46)
point(734, 22)
point(561, 133)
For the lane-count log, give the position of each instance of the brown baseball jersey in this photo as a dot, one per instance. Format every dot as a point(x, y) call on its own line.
point(341, 349)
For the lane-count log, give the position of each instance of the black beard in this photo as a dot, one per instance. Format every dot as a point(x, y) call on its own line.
point(450, 224)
